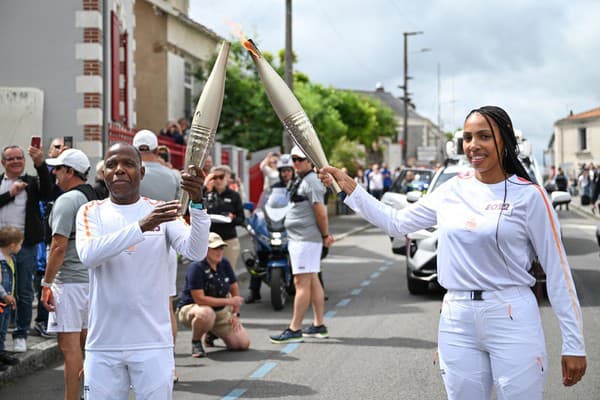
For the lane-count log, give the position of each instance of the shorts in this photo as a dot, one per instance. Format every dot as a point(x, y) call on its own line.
point(72, 306)
point(305, 256)
point(108, 375)
point(172, 272)
point(222, 326)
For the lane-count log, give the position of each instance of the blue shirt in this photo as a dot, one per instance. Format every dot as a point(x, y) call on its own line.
point(214, 283)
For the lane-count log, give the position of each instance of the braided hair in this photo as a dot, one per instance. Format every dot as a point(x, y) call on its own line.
point(508, 156)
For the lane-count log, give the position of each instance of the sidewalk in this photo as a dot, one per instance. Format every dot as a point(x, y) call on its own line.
point(42, 353)
point(585, 211)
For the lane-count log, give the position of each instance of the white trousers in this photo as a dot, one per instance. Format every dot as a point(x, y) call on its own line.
point(497, 341)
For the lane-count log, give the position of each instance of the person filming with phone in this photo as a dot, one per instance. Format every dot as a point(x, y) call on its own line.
point(20, 194)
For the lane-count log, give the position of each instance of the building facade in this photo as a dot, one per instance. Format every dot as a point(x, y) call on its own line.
point(576, 141)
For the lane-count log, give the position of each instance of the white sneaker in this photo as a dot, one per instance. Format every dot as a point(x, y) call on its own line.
point(20, 345)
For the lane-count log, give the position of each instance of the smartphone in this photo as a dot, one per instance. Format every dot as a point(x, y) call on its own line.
point(36, 142)
point(68, 141)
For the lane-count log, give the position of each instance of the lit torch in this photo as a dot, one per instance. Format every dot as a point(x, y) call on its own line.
point(290, 112)
point(206, 118)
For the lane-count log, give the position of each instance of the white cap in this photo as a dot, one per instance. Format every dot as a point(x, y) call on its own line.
point(146, 138)
point(73, 158)
point(297, 152)
point(215, 241)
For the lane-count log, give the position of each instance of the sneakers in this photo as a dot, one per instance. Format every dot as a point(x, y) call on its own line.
point(40, 329)
point(197, 349)
point(20, 345)
point(7, 359)
point(316, 332)
point(288, 336)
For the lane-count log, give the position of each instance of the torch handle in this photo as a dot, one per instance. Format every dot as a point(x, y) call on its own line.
point(336, 187)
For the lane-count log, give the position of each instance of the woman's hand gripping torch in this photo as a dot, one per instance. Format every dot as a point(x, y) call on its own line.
point(290, 112)
point(206, 119)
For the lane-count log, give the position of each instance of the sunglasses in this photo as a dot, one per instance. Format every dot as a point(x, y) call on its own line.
point(298, 159)
point(219, 177)
point(57, 146)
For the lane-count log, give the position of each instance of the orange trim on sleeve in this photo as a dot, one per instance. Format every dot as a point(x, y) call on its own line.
point(563, 262)
point(86, 223)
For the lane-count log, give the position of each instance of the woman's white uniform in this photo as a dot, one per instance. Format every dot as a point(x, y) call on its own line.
point(129, 339)
point(497, 340)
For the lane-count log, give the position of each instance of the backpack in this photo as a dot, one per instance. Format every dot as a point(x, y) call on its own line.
point(86, 189)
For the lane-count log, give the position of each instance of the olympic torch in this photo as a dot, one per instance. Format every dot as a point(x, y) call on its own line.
point(206, 118)
point(290, 112)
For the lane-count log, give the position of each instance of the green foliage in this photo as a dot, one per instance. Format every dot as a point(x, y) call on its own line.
point(347, 153)
point(342, 119)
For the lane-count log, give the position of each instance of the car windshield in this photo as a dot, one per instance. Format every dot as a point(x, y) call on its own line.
point(412, 179)
point(443, 178)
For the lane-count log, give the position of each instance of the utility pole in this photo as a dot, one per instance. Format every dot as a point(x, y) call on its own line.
point(406, 97)
point(286, 143)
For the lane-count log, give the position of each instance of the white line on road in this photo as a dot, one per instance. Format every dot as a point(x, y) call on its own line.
point(343, 303)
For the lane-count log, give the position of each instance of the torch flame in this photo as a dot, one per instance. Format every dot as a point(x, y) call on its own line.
point(236, 30)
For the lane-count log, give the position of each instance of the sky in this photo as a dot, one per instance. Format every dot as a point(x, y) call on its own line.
point(536, 59)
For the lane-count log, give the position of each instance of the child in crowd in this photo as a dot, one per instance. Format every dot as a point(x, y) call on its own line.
point(11, 239)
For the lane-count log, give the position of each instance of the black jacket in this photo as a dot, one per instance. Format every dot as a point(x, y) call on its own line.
point(38, 188)
point(224, 203)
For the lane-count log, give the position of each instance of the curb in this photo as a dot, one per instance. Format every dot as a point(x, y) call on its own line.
point(38, 356)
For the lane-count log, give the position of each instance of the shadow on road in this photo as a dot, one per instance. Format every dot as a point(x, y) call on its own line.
point(256, 388)
point(405, 342)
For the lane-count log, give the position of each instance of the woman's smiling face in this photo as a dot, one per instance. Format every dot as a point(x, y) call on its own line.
point(483, 145)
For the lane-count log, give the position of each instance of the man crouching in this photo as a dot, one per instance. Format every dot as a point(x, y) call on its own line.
point(210, 300)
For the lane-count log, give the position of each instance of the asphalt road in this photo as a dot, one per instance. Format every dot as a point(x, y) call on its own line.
point(383, 340)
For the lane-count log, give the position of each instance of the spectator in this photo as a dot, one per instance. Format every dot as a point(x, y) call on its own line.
point(184, 125)
point(124, 242)
point(561, 181)
point(407, 182)
point(56, 147)
point(20, 194)
point(165, 154)
point(65, 286)
point(226, 203)
point(173, 131)
point(11, 240)
point(387, 177)
point(210, 300)
point(99, 183)
point(208, 164)
point(360, 178)
point(268, 167)
point(376, 182)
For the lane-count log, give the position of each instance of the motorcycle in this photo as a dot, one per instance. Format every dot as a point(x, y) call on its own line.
point(269, 259)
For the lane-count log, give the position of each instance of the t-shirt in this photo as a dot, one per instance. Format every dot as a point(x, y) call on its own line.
point(62, 222)
point(300, 220)
point(129, 281)
point(160, 182)
point(469, 257)
point(214, 283)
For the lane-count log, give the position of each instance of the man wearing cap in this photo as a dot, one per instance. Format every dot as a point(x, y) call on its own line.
point(124, 241)
point(20, 195)
point(308, 231)
point(65, 288)
point(159, 183)
point(210, 300)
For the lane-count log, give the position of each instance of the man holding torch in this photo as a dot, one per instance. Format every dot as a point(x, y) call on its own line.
point(308, 231)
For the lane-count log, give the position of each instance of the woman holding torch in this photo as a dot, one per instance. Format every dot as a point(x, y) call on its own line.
point(491, 226)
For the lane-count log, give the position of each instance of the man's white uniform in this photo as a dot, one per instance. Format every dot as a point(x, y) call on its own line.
point(129, 339)
point(498, 340)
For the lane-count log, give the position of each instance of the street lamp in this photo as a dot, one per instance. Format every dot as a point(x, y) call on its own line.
point(406, 98)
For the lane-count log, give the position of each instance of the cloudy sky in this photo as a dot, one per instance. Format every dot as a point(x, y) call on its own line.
point(537, 59)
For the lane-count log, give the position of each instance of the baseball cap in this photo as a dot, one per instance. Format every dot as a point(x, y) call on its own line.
point(215, 240)
point(73, 158)
point(297, 152)
point(145, 138)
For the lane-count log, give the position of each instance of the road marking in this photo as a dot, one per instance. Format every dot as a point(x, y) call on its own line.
point(575, 226)
point(329, 314)
point(290, 347)
point(383, 268)
point(356, 292)
point(343, 303)
point(336, 259)
point(234, 394)
point(375, 275)
point(365, 283)
point(263, 370)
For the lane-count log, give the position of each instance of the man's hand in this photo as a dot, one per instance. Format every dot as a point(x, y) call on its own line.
point(573, 369)
point(37, 155)
point(48, 299)
point(164, 212)
point(9, 300)
point(236, 301)
point(193, 183)
point(17, 188)
point(328, 240)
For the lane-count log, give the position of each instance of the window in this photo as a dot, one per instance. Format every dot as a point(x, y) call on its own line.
point(581, 139)
point(187, 90)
